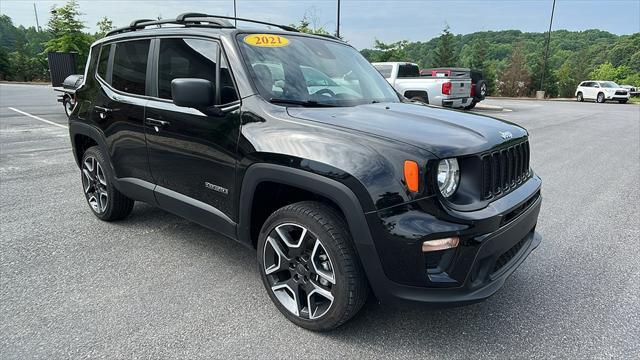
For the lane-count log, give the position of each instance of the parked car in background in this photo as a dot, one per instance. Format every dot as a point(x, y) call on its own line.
point(633, 91)
point(441, 91)
point(478, 85)
point(601, 91)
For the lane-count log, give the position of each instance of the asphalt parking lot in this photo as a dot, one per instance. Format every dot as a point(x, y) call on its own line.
point(157, 286)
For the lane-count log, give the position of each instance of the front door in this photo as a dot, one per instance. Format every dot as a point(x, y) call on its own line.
point(192, 156)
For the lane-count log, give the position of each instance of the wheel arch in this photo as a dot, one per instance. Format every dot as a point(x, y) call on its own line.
point(333, 192)
point(416, 93)
point(84, 136)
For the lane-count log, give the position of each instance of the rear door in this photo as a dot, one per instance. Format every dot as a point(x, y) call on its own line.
point(119, 106)
point(192, 155)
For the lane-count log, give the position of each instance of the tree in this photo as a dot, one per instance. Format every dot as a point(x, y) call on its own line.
point(5, 64)
point(609, 72)
point(479, 54)
point(514, 80)
point(390, 52)
point(104, 26)
point(310, 23)
point(66, 28)
point(445, 52)
point(566, 82)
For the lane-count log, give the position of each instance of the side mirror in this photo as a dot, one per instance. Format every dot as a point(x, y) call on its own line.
point(193, 93)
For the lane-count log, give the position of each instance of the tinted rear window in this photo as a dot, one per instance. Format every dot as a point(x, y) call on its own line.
point(408, 70)
point(103, 61)
point(130, 66)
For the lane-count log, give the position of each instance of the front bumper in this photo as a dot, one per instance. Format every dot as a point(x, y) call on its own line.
point(491, 249)
point(617, 97)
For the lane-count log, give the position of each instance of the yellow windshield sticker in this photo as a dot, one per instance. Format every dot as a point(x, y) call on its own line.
point(266, 40)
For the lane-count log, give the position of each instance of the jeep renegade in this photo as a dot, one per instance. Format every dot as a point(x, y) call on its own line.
point(294, 145)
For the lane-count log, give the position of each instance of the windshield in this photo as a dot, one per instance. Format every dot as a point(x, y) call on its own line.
point(311, 71)
point(609, 84)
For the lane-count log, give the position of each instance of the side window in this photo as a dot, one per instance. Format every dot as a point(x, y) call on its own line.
point(103, 61)
point(407, 70)
point(185, 58)
point(385, 70)
point(228, 92)
point(130, 66)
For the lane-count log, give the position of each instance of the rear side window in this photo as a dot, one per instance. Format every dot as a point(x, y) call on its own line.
point(408, 70)
point(103, 61)
point(385, 70)
point(130, 66)
point(186, 58)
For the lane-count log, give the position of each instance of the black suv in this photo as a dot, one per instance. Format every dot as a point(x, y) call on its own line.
point(293, 144)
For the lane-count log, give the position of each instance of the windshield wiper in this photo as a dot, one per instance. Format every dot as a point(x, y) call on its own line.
point(305, 103)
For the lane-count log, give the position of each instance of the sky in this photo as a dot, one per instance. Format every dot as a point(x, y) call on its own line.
point(363, 21)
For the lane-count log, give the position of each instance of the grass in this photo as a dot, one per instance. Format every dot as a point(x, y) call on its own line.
point(635, 100)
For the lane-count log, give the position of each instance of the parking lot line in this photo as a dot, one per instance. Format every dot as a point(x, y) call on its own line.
point(38, 118)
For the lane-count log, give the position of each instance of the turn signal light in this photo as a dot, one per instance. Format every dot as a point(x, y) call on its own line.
point(411, 175)
point(440, 244)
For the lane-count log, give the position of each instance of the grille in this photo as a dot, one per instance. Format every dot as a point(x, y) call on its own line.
point(508, 255)
point(621, 92)
point(504, 170)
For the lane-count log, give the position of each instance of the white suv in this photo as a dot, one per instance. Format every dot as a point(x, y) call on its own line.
point(601, 91)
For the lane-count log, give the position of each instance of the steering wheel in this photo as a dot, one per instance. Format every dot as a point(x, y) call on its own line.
point(325, 91)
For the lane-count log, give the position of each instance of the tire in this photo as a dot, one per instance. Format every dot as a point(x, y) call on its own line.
point(600, 98)
point(68, 105)
point(471, 106)
point(580, 97)
point(481, 90)
point(105, 201)
point(305, 249)
point(421, 99)
point(622, 101)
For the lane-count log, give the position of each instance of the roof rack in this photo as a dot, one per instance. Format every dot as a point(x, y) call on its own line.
point(194, 19)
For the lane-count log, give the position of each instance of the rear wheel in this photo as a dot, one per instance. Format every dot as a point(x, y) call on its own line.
point(106, 202)
point(600, 98)
point(309, 266)
point(68, 104)
point(421, 99)
point(579, 97)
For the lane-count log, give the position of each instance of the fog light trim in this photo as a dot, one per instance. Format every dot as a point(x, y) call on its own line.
point(440, 244)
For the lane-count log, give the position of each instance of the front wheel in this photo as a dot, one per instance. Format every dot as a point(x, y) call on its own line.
point(106, 202)
point(622, 101)
point(309, 266)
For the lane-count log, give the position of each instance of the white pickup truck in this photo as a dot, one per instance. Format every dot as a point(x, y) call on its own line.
point(405, 78)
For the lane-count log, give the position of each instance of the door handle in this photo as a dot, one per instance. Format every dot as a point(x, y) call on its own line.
point(104, 112)
point(157, 124)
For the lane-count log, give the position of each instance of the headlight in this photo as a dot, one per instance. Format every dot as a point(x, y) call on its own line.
point(448, 176)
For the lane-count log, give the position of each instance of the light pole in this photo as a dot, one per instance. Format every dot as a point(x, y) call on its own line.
point(235, 13)
point(546, 53)
point(338, 21)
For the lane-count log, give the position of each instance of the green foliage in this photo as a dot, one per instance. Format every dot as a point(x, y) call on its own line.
point(104, 26)
point(5, 64)
point(304, 26)
point(390, 52)
point(444, 54)
point(489, 51)
point(67, 30)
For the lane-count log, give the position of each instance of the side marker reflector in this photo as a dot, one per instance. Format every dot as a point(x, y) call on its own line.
point(411, 175)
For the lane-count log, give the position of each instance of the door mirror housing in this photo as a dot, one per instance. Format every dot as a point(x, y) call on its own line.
point(194, 93)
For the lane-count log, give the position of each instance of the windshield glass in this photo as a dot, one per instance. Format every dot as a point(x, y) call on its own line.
point(609, 84)
point(312, 71)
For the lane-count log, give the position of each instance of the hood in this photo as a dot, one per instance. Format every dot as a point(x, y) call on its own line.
point(444, 133)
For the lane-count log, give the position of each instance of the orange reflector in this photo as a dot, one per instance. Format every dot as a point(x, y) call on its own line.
point(411, 175)
point(440, 244)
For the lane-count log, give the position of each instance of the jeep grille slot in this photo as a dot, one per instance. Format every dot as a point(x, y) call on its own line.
point(504, 170)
